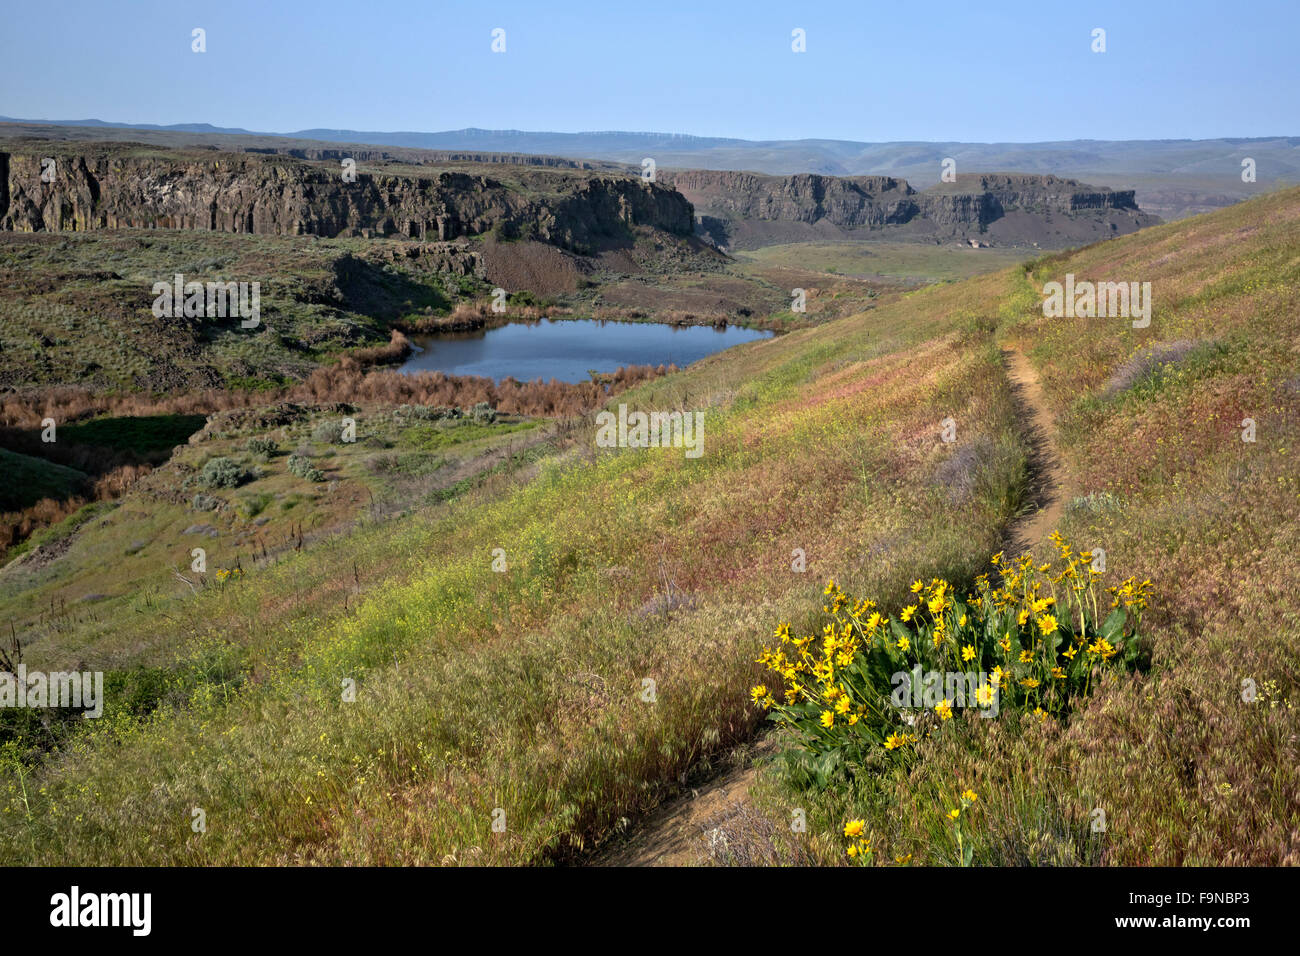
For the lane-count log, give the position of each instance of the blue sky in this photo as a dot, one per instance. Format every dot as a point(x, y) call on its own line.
point(873, 71)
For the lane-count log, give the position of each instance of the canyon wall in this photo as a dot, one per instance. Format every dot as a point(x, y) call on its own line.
point(852, 202)
point(750, 209)
point(121, 187)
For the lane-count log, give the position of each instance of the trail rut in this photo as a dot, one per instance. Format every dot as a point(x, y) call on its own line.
point(1046, 475)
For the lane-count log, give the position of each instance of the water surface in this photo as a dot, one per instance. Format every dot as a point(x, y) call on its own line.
point(566, 349)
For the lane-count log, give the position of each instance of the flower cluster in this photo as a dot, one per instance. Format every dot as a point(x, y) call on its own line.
point(1032, 640)
point(859, 849)
point(965, 851)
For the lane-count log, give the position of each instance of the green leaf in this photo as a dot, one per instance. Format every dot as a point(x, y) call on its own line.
point(1131, 650)
point(1113, 626)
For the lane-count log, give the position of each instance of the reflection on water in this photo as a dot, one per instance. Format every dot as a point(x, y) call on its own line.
point(566, 349)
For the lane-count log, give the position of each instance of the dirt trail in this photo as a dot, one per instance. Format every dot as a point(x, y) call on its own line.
point(1047, 477)
point(686, 831)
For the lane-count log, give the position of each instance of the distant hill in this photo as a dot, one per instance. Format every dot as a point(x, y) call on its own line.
point(1173, 178)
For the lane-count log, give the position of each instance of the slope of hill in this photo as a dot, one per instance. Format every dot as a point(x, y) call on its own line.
point(29, 479)
point(544, 658)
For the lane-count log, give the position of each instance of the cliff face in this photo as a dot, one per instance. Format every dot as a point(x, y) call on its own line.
point(958, 212)
point(749, 209)
point(985, 197)
point(229, 192)
point(853, 202)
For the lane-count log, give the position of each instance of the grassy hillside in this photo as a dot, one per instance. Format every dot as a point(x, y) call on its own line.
point(906, 261)
point(1196, 762)
point(135, 554)
point(29, 479)
point(519, 696)
point(76, 307)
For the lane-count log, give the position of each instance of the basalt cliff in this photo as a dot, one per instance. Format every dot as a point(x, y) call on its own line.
point(744, 210)
point(68, 186)
point(123, 186)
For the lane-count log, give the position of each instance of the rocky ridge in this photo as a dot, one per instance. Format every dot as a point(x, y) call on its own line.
point(739, 208)
point(120, 186)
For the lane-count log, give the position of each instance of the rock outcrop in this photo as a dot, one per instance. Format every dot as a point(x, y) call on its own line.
point(855, 202)
point(748, 209)
point(121, 186)
point(983, 197)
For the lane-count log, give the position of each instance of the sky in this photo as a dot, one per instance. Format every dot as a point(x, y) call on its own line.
point(872, 71)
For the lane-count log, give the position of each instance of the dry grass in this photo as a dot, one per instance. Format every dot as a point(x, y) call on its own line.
point(348, 380)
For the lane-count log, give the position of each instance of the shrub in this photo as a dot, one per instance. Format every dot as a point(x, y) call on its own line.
point(483, 413)
point(330, 433)
point(204, 502)
point(381, 464)
point(1035, 642)
point(428, 413)
point(221, 472)
point(1151, 364)
point(301, 466)
point(1095, 502)
point(262, 446)
point(250, 506)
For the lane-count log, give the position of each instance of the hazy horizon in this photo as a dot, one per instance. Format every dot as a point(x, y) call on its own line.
point(305, 131)
point(1170, 71)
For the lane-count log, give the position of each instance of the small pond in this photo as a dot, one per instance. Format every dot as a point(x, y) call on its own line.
point(566, 349)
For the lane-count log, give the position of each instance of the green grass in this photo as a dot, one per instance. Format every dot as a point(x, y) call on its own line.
point(457, 431)
point(76, 307)
point(57, 532)
point(124, 552)
point(909, 261)
point(140, 433)
point(28, 479)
